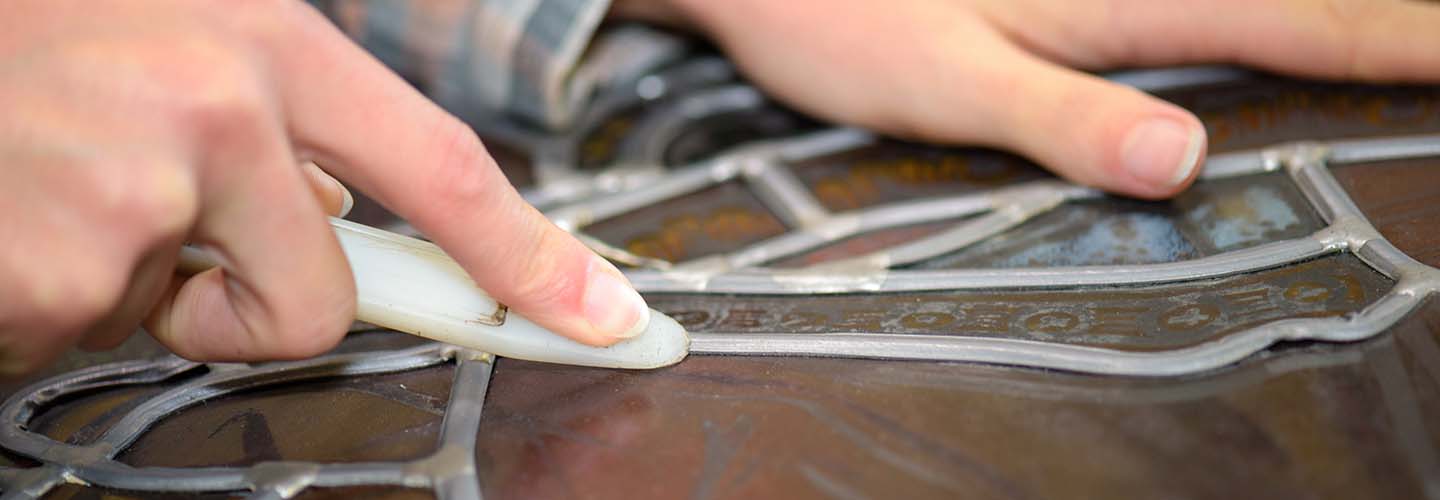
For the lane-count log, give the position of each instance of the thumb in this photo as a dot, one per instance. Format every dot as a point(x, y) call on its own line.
point(1097, 132)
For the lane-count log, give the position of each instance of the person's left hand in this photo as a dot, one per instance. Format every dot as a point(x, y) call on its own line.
point(998, 72)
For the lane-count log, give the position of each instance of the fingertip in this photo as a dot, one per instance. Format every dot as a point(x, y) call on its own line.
point(589, 302)
point(1162, 153)
point(334, 197)
point(611, 306)
point(348, 203)
point(1100, 133)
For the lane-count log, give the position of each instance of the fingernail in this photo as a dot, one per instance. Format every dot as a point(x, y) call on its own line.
point(1162, 152)
point(347, 200)
point(612, 306)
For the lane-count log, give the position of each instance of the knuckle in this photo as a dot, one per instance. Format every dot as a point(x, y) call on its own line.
point(155, 202)
point(269, 5)
point(266, 22)
point(193, 80)
point(463, 172)
point(71, 299)
point(207, 87)
point(536, 277)
point(311, 331)
point(223, 112)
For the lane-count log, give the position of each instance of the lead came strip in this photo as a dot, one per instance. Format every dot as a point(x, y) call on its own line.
point(1348, 231)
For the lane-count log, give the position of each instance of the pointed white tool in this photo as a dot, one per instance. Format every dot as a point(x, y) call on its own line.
point(410, 285)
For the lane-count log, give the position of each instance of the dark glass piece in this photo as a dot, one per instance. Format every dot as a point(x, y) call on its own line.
point(602, 144)
point(1402, 199)
point(711, 135)
point(82, 419)
point(717, 219)
point(389, 417)
point(1323, 421)
point(1270, 110)
point(896, 171)
point(77, 492)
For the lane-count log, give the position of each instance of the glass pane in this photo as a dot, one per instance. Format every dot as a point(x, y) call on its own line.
point(1270, 111)
point(895, 171)
point(1315, 422)
point(714, 220)
point(371, 418)
point(1402, 199)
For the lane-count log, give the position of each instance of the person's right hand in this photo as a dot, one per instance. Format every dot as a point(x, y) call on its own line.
point(130, 127)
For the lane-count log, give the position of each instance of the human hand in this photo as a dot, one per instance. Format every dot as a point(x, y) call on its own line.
point(997, 72)
point(131, 127)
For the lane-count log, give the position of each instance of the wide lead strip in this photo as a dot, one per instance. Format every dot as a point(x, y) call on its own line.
point(1306, 164)
point(736, 275)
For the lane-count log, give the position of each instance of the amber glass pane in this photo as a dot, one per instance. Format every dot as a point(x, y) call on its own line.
point(895, 171)
point(1270, 111)
point(714, 220)
point(370, 418)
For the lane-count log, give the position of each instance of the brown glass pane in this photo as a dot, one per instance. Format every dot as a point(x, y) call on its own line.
point(8, 459)
point(1325, 421)
point(1130, 318)
point(82, 419)
point(1268, 111)
point(602, 144)
point(714, 220)
point(77, 492)
point(371, 418)
point(895, 171)
point(859, 245)
point(516, 163)
point(1402, 200)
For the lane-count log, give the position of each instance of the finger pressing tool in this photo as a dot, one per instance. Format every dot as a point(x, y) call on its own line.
point(410, 285)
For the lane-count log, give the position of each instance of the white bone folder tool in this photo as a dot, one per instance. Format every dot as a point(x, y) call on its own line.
point(410, 285)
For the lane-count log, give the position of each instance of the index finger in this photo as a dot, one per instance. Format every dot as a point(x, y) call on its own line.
point(378, 133)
